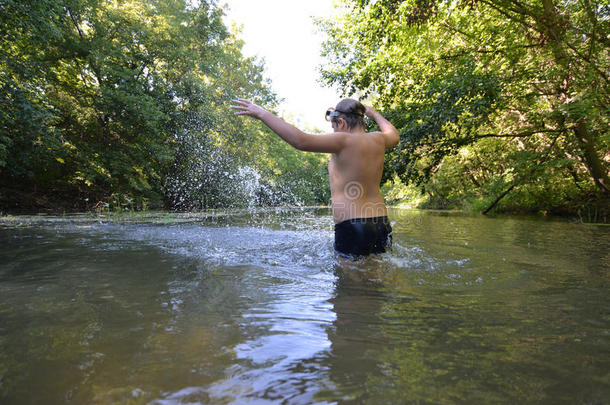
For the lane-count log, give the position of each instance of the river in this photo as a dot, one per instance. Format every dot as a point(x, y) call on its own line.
point(255, 307)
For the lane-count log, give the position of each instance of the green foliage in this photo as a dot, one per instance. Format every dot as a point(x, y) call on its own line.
point(398, 194)
point(99, 88)
point(522, 86)
point(112, 105)
point(439, 118)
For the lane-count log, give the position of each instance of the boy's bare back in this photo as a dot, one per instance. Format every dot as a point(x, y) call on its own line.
point(354, 174)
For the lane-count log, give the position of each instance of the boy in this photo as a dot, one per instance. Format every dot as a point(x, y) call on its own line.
point(356, 164)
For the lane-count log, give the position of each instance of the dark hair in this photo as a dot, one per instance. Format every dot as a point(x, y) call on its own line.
point(352, 111)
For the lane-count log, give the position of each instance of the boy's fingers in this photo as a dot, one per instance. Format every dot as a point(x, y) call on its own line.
point(242, 106)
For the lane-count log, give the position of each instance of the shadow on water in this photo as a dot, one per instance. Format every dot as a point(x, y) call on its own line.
point(256, 308)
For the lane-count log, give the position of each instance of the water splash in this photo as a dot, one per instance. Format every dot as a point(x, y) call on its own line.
point(204, 175)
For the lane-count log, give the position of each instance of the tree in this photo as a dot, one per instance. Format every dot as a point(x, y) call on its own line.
point(93, 94)
point(530, 76)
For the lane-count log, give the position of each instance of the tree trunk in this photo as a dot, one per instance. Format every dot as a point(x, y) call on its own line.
point(550, 24)
point(497, 200)
point(594, 164)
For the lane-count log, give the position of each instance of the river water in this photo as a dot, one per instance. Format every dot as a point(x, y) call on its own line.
point(255, 307)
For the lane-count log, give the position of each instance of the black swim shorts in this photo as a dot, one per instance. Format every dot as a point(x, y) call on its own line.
point(362, 236)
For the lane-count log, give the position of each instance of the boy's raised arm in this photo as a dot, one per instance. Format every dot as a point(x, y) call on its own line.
point(298, 139)
point(388, 130)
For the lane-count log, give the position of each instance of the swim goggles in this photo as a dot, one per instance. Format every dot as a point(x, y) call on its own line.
point(332, 112)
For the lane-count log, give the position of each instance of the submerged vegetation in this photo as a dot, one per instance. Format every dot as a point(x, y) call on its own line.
point(501, 106)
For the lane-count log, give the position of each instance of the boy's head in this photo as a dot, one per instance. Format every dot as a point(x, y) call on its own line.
point(352, 111)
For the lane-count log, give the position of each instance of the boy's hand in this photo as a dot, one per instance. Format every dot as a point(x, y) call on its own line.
point(369, 111)
point(247, 107)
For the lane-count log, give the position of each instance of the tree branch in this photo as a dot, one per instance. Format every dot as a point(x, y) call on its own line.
point(519, 178)
point(80, 34)
point(507, 14)
point(517, 135)
point(600, 72)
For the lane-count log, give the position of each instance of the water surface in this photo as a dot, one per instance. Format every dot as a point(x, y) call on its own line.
point(256, 307)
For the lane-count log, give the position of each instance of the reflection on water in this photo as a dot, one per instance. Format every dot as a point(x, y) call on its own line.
point(256, 308)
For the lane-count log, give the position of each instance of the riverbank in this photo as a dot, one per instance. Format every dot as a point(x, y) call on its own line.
point(25, 218)
point(585, 209)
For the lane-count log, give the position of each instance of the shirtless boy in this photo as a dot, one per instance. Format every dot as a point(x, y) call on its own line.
point(356, 164)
